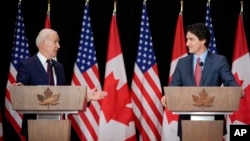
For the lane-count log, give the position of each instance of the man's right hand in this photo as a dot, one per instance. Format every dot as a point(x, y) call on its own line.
point(17, 84)
point(163, 101)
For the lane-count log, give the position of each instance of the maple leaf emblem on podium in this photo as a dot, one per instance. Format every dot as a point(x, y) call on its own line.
point(48, 99)
point(203, 100)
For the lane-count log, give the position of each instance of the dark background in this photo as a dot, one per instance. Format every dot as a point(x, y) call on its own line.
point(66, 18)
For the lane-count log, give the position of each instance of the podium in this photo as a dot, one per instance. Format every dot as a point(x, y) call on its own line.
point(49, 103)
point(202, 104)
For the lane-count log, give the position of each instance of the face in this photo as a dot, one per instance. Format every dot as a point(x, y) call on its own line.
point(51, 46)
point(195, 45)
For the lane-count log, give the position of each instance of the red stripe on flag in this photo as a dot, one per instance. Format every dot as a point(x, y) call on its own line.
point(88, 79)
point(146, 87)
point(89, 126)
point(143, 112)
point(20, 51)
point(14, 123)
point(86, 73)
point(75, 80)
point(76, 128)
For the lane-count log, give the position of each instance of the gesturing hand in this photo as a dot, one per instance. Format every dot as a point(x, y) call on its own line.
point(163, 101)
point(17, 84)
point(94, 94)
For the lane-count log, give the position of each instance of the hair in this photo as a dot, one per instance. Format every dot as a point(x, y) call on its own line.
point(201, 31)
point(43, 35)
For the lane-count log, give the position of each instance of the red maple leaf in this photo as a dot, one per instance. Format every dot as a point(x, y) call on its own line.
point(170, 116)
point(114, 106)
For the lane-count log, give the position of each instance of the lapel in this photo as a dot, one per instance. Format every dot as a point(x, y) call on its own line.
point(57, 71)
point(191, 69)
point(207, 67)
point(40, 68)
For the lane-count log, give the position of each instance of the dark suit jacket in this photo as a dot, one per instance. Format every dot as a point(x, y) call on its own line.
point(32, 72)
point(216, 71)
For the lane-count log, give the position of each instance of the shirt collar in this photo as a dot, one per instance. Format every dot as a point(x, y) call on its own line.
point(202, 56)
point(42, 58)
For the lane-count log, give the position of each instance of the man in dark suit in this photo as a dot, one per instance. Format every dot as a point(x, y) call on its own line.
point(215, 68)
point(33, 70)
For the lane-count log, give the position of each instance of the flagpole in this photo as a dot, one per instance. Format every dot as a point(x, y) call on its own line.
point(115, 2)
point(181, 10)
point(241, 6)
point(87, 1)
point(48, 10)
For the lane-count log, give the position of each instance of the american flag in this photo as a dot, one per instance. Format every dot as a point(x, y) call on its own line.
point(209, 24)
point(20, 51)
point(146, 87)
point(86, 73)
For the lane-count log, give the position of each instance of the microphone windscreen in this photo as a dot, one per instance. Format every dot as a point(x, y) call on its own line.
point(201, 63)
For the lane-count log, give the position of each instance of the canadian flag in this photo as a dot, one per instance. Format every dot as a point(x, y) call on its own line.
point(240, 70)
point(47, 20)
point(116, 118)
point(170, 120)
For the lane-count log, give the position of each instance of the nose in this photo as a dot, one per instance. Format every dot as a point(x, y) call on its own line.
point(187, 42)
point(58, 45)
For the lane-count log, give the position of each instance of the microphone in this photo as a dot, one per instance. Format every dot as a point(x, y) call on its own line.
point(201, 63)
point(52, 63)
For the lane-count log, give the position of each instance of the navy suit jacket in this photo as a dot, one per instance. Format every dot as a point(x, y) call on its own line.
point(32, 72)
point(216, 71)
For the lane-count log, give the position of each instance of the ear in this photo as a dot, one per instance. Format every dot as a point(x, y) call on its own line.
point(44, 42)
point(204, 41)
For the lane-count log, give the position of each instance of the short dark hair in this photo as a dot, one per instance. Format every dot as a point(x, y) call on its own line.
point(201, 31)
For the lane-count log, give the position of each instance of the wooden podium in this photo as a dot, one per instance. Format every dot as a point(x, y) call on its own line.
point(49, 103)
point(202, 104)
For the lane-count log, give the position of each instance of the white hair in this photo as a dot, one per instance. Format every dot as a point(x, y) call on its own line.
point(43, 35)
